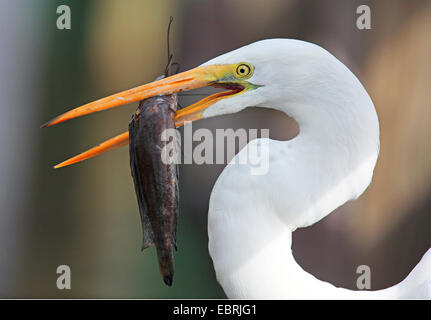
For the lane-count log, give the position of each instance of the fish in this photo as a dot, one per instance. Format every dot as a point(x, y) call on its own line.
point(156, 183)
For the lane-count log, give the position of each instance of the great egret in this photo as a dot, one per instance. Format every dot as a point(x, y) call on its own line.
point(251, 217)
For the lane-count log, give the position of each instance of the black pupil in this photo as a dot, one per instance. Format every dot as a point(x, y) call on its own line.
point(242, 70)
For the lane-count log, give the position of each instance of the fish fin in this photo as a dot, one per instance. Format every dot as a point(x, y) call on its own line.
point(177, 209)
point(147, 230)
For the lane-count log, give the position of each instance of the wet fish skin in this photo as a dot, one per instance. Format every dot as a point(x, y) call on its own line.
point(156, 183)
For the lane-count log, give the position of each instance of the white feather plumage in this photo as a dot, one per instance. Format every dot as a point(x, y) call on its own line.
point(251, 217)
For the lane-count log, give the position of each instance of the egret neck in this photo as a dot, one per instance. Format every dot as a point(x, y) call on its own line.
point(331, 161)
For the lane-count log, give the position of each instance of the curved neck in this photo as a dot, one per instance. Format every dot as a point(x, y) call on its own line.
point(330, 161)
point(251, 218)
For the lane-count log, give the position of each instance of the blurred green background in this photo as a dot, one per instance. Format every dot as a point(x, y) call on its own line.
point(86, 216)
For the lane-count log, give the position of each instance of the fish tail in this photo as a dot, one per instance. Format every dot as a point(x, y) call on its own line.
point(166, 265)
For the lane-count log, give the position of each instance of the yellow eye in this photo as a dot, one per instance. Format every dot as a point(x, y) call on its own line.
point(243, 70)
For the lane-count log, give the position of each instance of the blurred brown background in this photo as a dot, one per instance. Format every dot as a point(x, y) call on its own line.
point(86, 216)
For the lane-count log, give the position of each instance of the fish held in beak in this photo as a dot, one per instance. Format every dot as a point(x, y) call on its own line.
point(156, 183)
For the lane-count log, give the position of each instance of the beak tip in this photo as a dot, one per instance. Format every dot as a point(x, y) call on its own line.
point(63, 164)
point(52, 122)
point(47, 124)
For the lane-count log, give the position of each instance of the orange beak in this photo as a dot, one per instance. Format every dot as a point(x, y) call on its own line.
point(185, 81)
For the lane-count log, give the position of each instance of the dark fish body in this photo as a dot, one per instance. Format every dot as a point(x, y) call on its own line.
point(156, 183)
